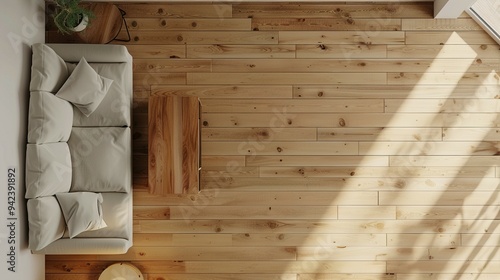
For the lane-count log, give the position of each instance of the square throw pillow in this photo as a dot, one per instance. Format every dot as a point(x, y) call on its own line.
point(85, 88)
point(45, 221)
point(82, 211)
point(117, 211)
point(101, 159)
point(49, 119)
point(115, 108)
point(48, 70)
point(48, 169)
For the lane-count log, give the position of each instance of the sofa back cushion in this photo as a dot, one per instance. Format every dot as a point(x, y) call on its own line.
point(48, 169)
point(99, 53)
point(101, 159)
point(50, 118)
point(48, 70)
point(46, 222)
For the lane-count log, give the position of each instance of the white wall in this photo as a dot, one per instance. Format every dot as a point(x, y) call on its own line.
point(21, 24)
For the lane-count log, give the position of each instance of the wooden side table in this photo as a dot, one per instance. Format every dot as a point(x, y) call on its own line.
point(103, 28)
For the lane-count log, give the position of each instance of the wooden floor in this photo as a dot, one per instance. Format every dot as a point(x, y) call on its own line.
point(338, 142)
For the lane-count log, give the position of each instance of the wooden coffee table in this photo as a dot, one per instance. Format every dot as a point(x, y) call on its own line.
point(173, 144)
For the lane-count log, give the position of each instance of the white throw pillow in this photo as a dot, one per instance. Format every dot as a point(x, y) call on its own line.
point(46, 222)
point(85, 88)
point(114, 109)
point(82, 211)
point(48, 169)
point(50, 118)
point(117, 211)
point(48, 70)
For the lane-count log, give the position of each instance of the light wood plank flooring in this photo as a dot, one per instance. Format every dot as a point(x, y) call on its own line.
point(339, 141)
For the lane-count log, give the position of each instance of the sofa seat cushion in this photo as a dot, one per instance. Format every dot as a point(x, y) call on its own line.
point(114, 109)
point(46, 222)
point(101, 159)
point(85, 88)
point(48, 169)
point(50, 118)
point(117, 211)
point(82, 211)
point(48, 70)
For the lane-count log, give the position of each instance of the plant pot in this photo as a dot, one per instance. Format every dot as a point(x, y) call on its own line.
point(82, 25)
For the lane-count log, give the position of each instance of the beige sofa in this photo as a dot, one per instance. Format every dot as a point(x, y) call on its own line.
point(78, 156)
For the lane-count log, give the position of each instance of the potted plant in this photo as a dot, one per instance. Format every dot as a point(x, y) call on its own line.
point(69, 16)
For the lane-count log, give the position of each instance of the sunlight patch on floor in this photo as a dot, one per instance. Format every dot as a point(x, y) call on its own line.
point(424, 147)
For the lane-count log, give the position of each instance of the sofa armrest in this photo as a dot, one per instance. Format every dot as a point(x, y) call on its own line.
point(80, 246)
point(93, 53)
